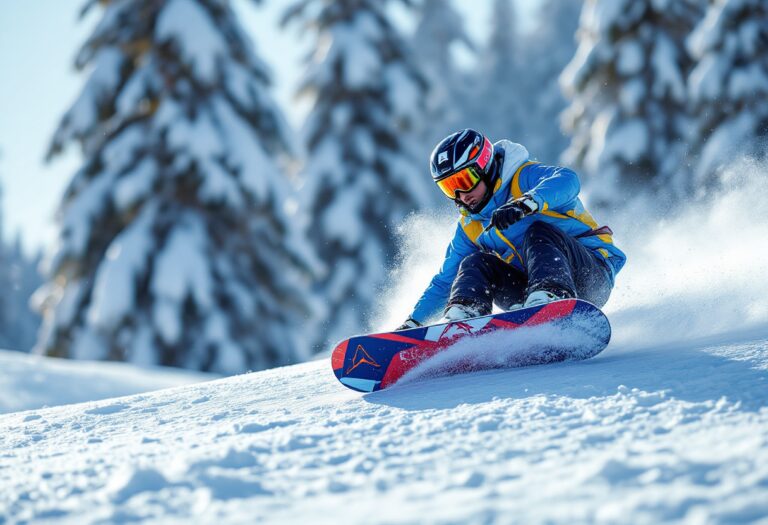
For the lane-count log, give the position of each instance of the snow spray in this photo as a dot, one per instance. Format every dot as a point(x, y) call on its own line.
point(424, 238)
point(524, 346)
point(699, 271)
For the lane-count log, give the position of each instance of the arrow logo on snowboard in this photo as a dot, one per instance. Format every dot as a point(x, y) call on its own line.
point(454, 329)
point(362, 357)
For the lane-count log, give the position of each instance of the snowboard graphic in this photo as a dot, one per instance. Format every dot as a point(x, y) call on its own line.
point(564, 330)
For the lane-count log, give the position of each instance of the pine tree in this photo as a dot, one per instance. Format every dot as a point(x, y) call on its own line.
point(494, 92)
point(24, 279)
point(628, 115)
point(729, 86)
point(174, 247)
point(18, 279)
point(545, 52)
point(361, 176)
point(6, 317)
point(439, 32)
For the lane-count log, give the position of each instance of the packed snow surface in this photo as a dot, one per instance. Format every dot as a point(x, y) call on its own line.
point(655, 434)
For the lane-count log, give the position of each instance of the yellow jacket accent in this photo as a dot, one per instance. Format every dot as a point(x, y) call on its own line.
point(515, 187)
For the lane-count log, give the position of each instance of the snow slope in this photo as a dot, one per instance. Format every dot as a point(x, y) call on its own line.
point(29, 381)
point(651, 435)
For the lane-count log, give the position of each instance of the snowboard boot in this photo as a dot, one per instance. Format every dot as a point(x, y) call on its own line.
point(541, 297)
point(458, 312)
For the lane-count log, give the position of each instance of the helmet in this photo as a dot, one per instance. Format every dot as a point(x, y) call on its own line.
point(460, 161)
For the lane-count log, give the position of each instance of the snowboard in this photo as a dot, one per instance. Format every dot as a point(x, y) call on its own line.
point(565, 330)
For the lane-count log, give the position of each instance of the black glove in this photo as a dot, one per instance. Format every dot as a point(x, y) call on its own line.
point(409, 323)
point(508, 214)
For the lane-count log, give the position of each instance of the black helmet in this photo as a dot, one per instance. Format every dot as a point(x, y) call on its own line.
point(460, 161)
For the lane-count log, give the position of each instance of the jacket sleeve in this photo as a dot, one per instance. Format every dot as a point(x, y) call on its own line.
point(550, 186)
point(434, 299)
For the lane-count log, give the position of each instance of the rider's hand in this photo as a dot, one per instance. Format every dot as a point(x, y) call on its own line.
point(506, 215)
point(409, 323)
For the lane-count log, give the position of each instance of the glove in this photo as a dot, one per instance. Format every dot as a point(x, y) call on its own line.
point(508, 214)
point(409, 323)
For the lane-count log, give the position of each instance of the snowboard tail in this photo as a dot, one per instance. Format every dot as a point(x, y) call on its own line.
point(569, 329)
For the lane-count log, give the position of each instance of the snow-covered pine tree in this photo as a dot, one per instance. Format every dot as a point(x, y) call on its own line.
point(174, 245)
point(18, 280)
point(628, 116)
point(361, 177)
point(494, 93)
point(728, 88)
point(438, 34)
point(6, 318)
point(545, 51)
point(23, 278)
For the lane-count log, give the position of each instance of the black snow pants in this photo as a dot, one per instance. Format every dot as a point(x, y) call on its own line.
point(555, 262)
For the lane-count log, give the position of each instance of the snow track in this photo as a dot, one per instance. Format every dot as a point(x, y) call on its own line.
point(648, 435)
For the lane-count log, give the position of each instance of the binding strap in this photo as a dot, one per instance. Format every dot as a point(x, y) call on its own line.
point(602, 230)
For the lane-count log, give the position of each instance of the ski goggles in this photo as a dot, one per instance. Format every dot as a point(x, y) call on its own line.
point(463, 180)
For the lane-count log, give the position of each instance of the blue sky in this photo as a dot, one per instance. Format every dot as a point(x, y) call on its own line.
point(38, 43)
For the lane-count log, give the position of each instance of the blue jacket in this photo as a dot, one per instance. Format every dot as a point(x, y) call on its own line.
point(555, 190)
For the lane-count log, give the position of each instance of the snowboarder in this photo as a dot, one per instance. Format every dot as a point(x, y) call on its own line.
point(524, 238)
